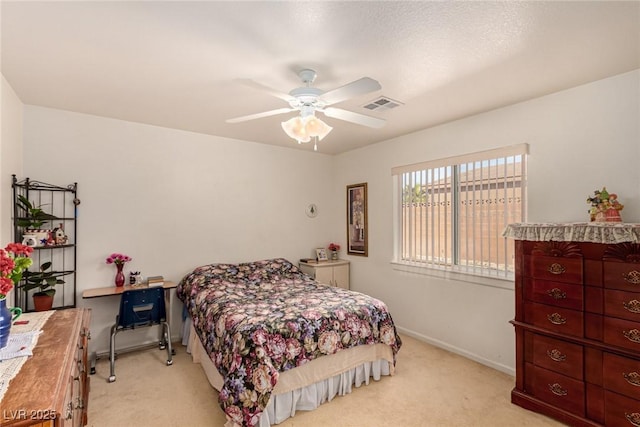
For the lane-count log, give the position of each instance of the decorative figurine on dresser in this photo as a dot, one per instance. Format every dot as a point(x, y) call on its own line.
point(577, 321)
point(605, 206)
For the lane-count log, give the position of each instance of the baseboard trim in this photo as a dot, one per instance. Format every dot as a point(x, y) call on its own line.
point(462, 352)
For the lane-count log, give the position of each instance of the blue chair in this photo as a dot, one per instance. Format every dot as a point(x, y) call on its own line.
point(141, 308)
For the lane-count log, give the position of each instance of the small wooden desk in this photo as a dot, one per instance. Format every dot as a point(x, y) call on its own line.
point(118, 290)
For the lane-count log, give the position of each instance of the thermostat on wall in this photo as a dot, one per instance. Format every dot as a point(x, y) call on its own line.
point(312, 210)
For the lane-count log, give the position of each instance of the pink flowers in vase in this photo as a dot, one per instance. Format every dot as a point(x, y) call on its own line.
point(334, 248)
point(119, 260)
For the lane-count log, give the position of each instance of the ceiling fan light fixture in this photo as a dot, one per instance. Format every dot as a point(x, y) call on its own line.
point(316, 127)
point(295, 128)
point(302, 129)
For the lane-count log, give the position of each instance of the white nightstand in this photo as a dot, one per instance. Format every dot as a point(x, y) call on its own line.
point(332, 272)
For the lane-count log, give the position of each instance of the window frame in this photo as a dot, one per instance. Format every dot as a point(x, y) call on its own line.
point(455, 271)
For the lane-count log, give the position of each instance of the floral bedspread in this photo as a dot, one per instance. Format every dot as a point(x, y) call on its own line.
point(261, 318)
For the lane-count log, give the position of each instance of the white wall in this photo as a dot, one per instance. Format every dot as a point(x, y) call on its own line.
point(10, 158)
point(174, 200)
point(580, 140)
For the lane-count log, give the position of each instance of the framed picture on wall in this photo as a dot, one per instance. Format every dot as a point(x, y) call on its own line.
point(357, 221)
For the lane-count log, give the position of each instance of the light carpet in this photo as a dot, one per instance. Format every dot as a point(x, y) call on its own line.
point(431, 387)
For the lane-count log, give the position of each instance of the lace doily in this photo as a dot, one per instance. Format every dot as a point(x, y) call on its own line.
point(594, 232)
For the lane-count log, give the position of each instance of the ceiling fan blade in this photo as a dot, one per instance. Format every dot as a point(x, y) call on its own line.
point(266, 89)
point(350, 116)
point(260, 115)
point(351, 90)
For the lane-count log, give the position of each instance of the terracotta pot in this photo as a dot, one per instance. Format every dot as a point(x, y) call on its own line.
point(42, 302)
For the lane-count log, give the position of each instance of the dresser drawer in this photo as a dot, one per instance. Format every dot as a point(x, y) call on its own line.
point(623, 304)
point(556, 319)
point(620, 411)
point(622, 333)
point(558, 390)
point(622, 275)
point(557, 269)
point(621, 375)
point(554, 293)
point(558, 356)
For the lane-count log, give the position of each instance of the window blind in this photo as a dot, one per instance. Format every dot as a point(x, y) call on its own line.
point(452, 211)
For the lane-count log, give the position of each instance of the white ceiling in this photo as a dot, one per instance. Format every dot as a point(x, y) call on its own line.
point(186, 65)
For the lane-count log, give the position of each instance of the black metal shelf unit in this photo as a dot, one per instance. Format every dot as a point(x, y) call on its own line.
point(54, 241)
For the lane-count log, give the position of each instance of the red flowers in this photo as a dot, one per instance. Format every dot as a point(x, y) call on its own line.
point(14, 259)
point(19, 249)
point(334, 247)
point(6, 285)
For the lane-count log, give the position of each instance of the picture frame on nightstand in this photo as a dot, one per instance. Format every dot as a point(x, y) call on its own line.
point(321, 254)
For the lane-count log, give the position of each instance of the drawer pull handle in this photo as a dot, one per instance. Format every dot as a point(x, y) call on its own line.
point(556, 355)
point(633, 306)
point(556, 319)
point(632, 335)
point(556, 268)
point(633, 418)
point(632, 277)
point(632, 378)
point(557, 389)
point(556, 293)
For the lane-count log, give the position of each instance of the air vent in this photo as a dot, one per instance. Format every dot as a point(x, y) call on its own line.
point(382, 103)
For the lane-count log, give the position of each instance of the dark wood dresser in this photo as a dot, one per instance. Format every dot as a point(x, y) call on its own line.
point(577, 322)
point(52, 388)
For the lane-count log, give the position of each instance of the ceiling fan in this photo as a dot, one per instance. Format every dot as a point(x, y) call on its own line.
point(309, 100)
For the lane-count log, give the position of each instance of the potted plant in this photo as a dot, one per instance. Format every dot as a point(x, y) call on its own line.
point(35, 216)
point(43, 280)
point(33, 220)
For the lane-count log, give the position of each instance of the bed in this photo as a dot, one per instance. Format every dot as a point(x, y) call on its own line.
point(272, 340)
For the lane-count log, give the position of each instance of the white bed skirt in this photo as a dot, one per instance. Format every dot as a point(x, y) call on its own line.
point(307, 387)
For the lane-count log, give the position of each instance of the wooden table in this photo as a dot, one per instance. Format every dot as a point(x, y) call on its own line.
point(110, 291)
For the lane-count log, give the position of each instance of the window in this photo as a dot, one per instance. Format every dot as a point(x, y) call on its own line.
point(452, 212)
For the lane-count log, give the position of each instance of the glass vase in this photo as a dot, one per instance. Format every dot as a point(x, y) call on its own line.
point(119, 275)
point(7, 316)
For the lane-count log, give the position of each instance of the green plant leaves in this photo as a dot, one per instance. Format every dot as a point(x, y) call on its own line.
point(43, 279)
point(35, 216)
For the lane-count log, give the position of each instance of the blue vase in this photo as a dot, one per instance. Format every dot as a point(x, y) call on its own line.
point(7, 316)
